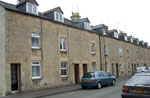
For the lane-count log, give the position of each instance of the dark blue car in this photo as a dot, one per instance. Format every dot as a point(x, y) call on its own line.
point(97, 79)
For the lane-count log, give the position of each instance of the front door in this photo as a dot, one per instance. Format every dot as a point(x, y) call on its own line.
point(14, 77)
point(117, 70)
point(76, 72)
point(112, 69)
point(84, 68)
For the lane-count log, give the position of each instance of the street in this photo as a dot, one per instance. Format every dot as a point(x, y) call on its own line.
point(105, 92)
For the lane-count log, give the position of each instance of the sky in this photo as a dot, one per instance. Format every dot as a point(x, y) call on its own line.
point(130, 16)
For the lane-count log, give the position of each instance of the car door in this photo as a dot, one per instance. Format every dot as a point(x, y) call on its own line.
point(107, 79)
point(102, 78)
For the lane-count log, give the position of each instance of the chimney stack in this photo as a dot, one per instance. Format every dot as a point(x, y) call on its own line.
point(75, 16)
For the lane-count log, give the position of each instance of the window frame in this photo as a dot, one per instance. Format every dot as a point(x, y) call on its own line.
point(122, 67)
point(58, 16)
point(105, 50)
point(64, 68)
point(121, 52)
point(93, 48)
point(93, 66)
point(32, 8)
point(87, 26)
point(36, 36)
point(36, 77)
point(62, 42)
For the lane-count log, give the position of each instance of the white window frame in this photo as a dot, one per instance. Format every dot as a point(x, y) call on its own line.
point(106, 67)
point(125, 38)
point(64, 68)
point(36, 77)
point(122, 67)
point(32, 8)
point(87, 26)
point(128, 52)
point(129, 66)
point(116, 35)
point(63, 44)
point(121, 52)
point(58, 16)
point(93, 66)
point(105, 50)
point(36, 36)
point(93, 48)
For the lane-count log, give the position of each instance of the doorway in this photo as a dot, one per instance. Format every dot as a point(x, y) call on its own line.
point(84, 68)
point(112, 68)
point(15, 77)
point(76, 72)
point(117, 70)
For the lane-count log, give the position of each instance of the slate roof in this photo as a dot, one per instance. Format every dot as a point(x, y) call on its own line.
point(52, 10)
point(98, 26)
point(113, 30)
point(83, 20)
point(25, 2)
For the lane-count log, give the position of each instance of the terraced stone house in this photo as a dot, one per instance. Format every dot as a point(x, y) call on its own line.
point(44, 50)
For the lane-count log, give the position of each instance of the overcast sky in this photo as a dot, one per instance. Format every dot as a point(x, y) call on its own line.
point(130, 16)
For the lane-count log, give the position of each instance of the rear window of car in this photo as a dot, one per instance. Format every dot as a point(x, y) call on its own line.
point(89, 75)
point(139, 80)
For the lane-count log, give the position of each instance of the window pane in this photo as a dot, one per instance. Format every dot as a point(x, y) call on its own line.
point(93, 66)
point(34, 9)
point(35, 42)
point(63, 71)
point(35, 71)
point(57, 17)
point(29, 8)
point(64, 44)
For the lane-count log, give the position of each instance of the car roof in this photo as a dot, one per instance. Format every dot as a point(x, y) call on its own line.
point(138, 74)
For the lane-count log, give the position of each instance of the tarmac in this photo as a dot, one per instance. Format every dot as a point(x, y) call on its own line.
point(52, 91)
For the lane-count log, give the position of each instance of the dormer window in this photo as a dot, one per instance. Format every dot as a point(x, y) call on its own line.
point(116, 35)
point(31, 8)
point(131, 40)
point(104, 32)
point(59, 17)
point(87, 26)
point(137, 42)
point(125, 38)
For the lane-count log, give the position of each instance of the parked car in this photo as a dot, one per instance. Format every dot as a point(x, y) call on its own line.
point(140, 69)
point(97, 79)
point(137, 87)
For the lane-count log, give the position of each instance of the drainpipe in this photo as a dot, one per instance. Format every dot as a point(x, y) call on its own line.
point(100, 51)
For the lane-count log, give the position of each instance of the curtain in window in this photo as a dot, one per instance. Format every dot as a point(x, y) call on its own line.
point(36, 71)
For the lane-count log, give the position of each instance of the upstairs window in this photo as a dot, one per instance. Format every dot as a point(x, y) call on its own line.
point(104, 32)
point(63, 44)
point(121, 51)
point(131, 40)
point(31, 8)
point(93, 48)
point(87, 26)
point(116, 35)
point(125, 38)
point(58, 17)
point(127, 52)
point(105, 50)
point(35, 41)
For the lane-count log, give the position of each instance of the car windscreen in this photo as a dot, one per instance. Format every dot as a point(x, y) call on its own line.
point(89, 75)
point(139, 80)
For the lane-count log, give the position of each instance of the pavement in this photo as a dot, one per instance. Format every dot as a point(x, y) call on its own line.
point(52, 91)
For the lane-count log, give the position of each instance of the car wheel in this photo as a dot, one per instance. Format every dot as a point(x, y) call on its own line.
point(84, 87)
point(113, 82)
point(99, 85)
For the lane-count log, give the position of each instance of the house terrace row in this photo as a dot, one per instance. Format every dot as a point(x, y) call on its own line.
point(47, 50)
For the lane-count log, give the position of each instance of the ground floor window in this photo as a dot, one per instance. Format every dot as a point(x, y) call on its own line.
point(93, 66)
point(64, 69)
point(122, 66)
point(129, 66)
point(36, 69)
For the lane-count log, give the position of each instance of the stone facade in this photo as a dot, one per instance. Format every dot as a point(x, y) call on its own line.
point(16, 45)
